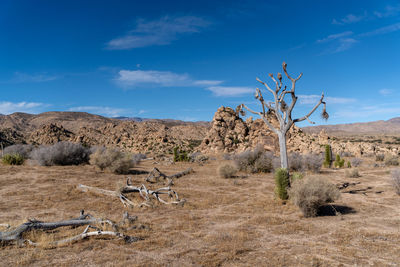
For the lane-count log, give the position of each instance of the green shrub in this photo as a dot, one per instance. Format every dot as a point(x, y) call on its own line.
point(227, 170)
point(13, 159)
point(281, 183)
point(112, 160)
point(310, 193)
point(348, 164)
point(339, 163)
point(296, 176)
point(328, 156)
point(180, 155)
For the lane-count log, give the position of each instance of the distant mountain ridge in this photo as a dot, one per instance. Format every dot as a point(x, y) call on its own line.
point(391, 126)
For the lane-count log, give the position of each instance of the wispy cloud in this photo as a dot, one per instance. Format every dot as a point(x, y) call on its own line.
point(28, 107)
point(367, 112)
point(313, 99)
point(386, 92)
point(388, 11)
point(20, 77)
point(137, 78)
point(350, 18)
point(335, 36)
point(230, 90)
point(100, 110)
point(383, 30)
point(158, 32)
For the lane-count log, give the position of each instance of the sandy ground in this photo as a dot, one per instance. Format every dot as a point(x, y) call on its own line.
point(225, 222)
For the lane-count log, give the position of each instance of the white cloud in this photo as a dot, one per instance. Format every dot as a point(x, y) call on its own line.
point(134, 78)
point(335, 36)
point(345, 44)
point(388, 12)
point(158, 32)
point(106, 111)
point(32, 78)
point(367, 112)
point(230, 90)
point(313, 99)
point(350, 18)
point(11, 107)
point(385, 91)
point(383, 30)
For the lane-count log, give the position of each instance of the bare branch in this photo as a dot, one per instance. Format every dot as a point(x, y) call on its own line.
point(312, 111)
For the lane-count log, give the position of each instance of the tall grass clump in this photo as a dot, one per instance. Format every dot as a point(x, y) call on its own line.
point(310, 193)
point(112, 160)
point(396, 180)
point(62, 153)
point(353, 173)
point(227, 170)
point(282, 182)
point(13, 159)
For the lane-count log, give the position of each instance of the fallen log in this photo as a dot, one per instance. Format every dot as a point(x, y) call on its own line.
point(155, 175)
point(17, 235)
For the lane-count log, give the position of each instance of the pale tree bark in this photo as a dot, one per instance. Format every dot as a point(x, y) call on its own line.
point(281, 110)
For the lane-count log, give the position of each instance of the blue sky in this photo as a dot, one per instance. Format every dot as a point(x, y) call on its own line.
point(184, 59)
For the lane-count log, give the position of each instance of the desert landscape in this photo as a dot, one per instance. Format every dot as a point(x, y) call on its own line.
point(200, 133)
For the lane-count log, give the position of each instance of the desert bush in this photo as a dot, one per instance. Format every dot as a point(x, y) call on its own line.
point(112, 160)
point(62, 153)
point(295, 161)
point(254, 161)
point(391, 160)
point(313, 162)
point(355, 162)
point(13, 159)
point(339, 163)
point(379, 157)
point(198, 157)
point(20, 149)
point(138, 157)
point(396, 180)
point(296, 176)
point(353, 173)
point(227, 170)
point(310, 193)
point(328, 156)
point(345, 154)
point(180, 155)
point(348, 164)
point(281, 183)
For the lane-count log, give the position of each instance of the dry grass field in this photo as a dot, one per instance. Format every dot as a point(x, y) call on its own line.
point(225, 222)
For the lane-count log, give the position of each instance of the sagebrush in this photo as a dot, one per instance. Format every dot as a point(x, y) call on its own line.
point(227, 170)
point(62, 153)
point(113, 160)
point(12, 159)
point(21, 149)
point(310, 193)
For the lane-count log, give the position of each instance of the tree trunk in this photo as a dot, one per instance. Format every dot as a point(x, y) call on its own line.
point(283, 150)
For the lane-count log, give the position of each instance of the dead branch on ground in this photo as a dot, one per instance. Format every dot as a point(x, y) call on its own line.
point(16, 236)
point(155, 175)
point(146, 194)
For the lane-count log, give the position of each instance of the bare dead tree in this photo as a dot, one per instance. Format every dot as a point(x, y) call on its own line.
point(17, 235)
point(281, 110)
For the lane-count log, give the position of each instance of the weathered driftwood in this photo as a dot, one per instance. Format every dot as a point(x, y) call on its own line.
point(146, 194)
point(17, 235)
point(155, 175)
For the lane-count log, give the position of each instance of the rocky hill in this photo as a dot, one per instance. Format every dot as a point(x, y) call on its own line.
point(391, 126)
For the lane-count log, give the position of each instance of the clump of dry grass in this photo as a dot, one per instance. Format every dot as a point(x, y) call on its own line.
point(352, 173)
point(311, 193)
point(227, 170)
point(391, 160)
point(355, 162)
point(396, 180)
point(112, 160)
